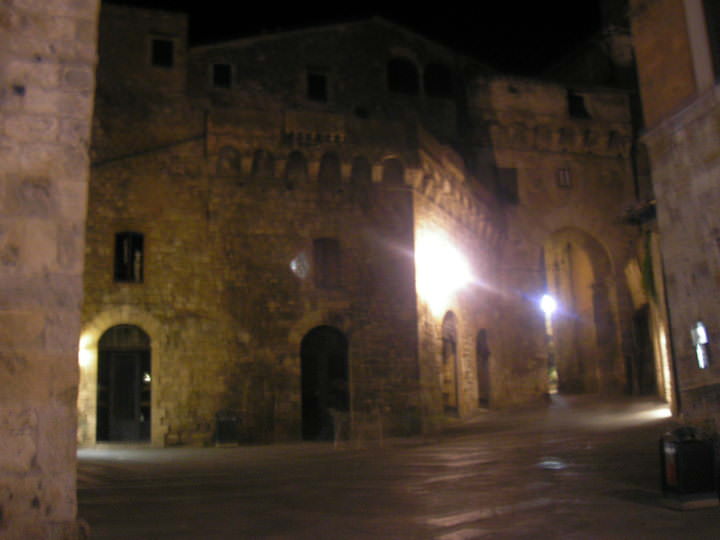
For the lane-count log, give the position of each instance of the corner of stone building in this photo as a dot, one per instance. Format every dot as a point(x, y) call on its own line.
point(47, 63)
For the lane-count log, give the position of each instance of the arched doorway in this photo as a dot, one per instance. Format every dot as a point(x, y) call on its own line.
point(482, 354)
point(324, 381)
point(449, 364)
point(583, 329)
point(124, 385)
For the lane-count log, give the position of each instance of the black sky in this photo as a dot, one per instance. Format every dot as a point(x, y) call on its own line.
point(518, 37)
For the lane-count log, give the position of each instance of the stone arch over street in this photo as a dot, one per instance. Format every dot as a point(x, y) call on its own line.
point(325, 381)
point(583, 329)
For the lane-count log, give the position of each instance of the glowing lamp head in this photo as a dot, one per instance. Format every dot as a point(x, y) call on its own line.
point(548, 304)
point(440, 270)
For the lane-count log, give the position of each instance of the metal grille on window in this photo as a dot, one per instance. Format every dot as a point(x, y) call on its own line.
point(129, 257)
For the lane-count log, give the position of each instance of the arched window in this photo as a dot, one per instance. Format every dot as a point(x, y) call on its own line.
point(393, 172)
point(438, 81)
point(403, 77)
point(296, 170)
point(263, 164)
point(330, 172)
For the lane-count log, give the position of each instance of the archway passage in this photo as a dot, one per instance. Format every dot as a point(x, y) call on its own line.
point(124, 385)
point(325, 388)
point(583, 329)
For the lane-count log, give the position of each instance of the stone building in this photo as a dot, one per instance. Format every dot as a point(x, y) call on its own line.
point(676, 45)
point(342, 222)
point(47, 63)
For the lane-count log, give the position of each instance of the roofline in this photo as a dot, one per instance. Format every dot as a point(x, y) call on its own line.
point(338, 25)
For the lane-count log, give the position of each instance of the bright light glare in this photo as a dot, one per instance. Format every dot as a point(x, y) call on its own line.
point(85, 354)
point(660, 412)
point(440, 270)
point(548, 304)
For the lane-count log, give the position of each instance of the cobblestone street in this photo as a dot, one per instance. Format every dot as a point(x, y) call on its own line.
point(579, 469)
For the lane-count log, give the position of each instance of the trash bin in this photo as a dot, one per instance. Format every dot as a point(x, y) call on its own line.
point(687, 465)
point(226, 427)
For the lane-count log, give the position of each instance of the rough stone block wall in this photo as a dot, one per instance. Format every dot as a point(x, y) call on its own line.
point(533, 137)
point(664, 58)
point(225, 312)
point(686, 148)
point(47, 63)
point(448, 207)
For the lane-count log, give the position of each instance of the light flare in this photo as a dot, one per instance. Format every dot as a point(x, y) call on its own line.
point(440, 270)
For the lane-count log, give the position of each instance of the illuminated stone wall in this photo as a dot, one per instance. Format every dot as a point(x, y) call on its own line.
point(566, 177)
point(230, 289)
point(233, 180)
point(680, 96)
point(462, 225)
point(47, 63)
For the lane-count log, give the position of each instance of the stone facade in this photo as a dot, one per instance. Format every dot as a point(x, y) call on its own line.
point(345, 221)
point(676, 49)
point(47, 63)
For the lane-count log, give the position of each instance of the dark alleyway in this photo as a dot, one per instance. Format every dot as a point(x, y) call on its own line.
point(581, 469)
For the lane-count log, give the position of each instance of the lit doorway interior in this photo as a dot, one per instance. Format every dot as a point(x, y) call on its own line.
point(124, 385)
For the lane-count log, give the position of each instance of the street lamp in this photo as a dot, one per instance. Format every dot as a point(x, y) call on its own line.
point(548, 305)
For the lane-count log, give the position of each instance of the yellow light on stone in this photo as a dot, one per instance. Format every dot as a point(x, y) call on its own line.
point(85, 354)
point(440, 270)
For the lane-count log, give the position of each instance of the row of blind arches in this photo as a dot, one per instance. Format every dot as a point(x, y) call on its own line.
point(296, 170)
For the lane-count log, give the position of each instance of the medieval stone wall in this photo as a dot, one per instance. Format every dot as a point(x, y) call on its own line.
point(47, 64)
point(285, 196)
point(664, 85)
point(563, 165)
point(450, 210)
point(690, 252)
point(678, 87)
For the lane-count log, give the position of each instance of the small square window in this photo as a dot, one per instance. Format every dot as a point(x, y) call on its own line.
point(317, 87)
point(222, 75)
point(162, 53)
point(129, 257)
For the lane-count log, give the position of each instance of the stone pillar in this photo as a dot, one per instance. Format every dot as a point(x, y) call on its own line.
point(47, 63)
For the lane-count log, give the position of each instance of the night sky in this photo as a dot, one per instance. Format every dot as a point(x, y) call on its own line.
point(518, 37)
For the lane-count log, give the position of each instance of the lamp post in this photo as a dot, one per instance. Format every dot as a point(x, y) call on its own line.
point(548, 305)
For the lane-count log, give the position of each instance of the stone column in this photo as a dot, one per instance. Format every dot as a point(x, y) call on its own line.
point(47, 63)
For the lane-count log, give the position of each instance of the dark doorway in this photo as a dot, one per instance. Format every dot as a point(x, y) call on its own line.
point(482, 353)
point(449, 364)
point(643, 375)
point(325, 393)
point(124, 382)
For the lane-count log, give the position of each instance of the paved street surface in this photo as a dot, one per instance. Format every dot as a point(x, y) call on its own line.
point(579, 469)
